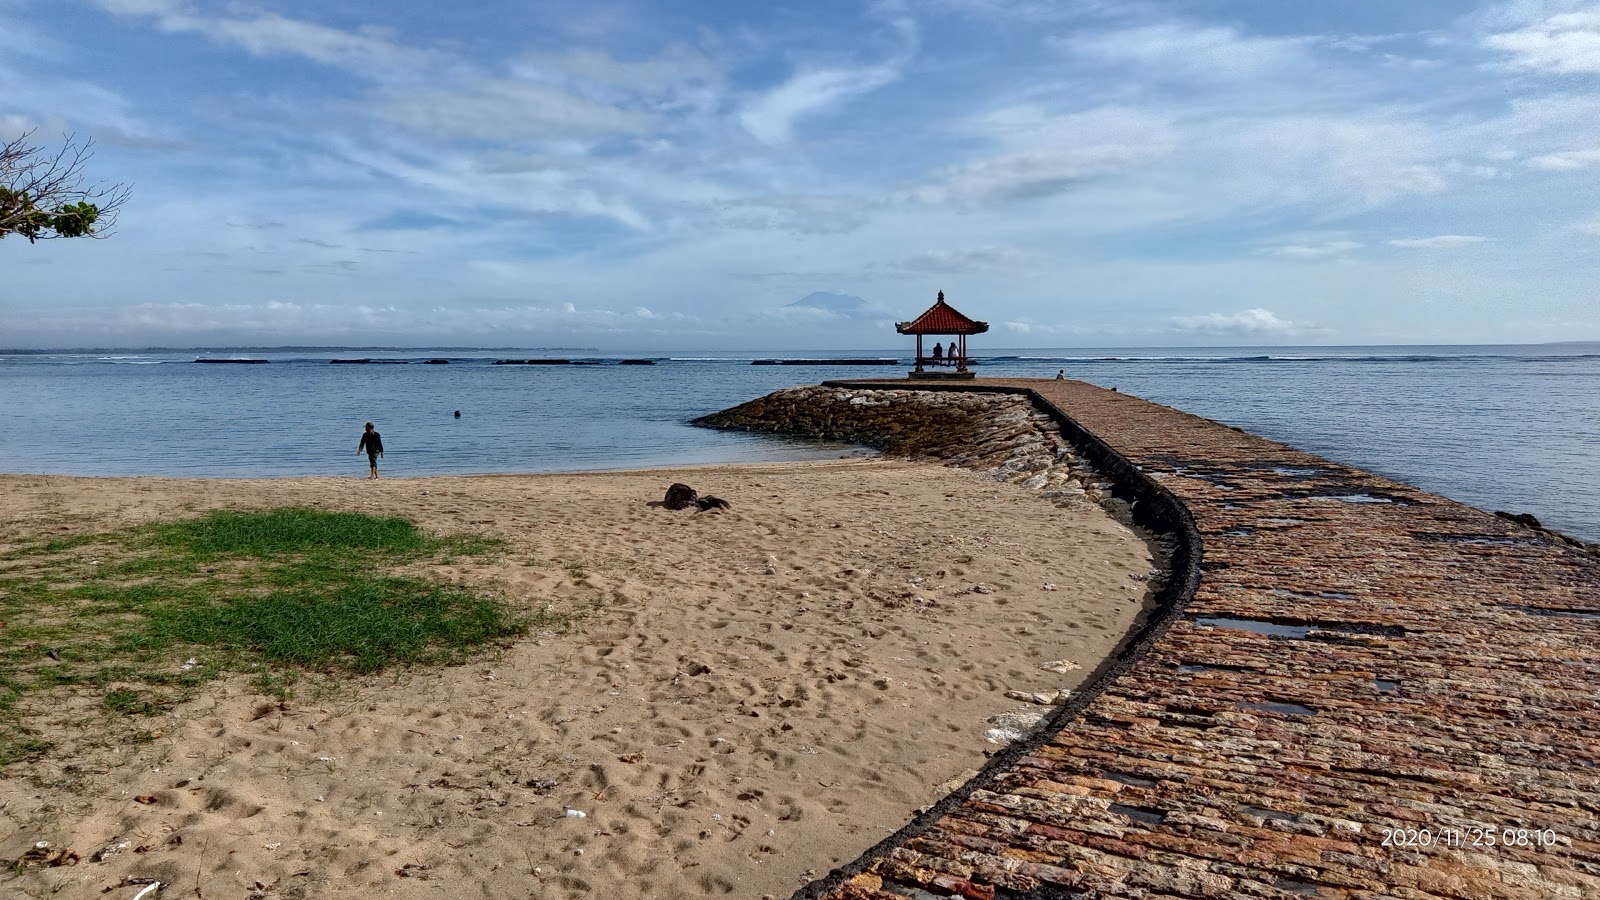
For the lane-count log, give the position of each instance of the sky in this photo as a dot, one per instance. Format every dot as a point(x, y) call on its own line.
point(630, 176)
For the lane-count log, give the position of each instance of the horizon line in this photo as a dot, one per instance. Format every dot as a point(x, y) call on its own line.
point(282, 348)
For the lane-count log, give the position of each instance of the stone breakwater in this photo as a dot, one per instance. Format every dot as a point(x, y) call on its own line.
point(1370, 692)
point(1002, 436)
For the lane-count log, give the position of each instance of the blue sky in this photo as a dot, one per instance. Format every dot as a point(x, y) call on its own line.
point(630, 175)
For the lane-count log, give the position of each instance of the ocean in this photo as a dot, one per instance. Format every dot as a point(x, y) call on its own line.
point(1500, 427)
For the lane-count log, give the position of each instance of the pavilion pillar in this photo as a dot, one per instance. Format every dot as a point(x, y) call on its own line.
point(919, 353)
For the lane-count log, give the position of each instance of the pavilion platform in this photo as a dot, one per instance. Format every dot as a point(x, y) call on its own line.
point(1353, 689)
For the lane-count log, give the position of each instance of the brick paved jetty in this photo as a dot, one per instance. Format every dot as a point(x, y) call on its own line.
point(1356, 690)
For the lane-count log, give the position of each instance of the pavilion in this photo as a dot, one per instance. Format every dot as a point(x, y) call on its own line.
point(942, 319)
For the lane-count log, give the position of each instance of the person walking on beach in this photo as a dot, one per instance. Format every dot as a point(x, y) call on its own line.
point(372, 442)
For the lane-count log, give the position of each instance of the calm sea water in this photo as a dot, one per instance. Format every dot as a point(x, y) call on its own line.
point(1502, 427)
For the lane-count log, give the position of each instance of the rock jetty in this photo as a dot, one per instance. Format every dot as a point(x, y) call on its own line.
point(844, 361)
point(1002, 436)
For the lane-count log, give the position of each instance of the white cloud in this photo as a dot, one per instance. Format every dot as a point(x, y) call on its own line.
point(1257, 122)
point(1439, 241)
point(57, 106)
point(20, 40)
point(771, 117)
point(1159, 162)
point(1026, 176)
point(956, 262)
point(797, 213)
point(1250, 322)
point(665, 75)
point(1566, 43)
point(805, 314)
point(1355, 160)
point(1035, 330)
point(451, 185)
point(1566, 161)
point(1314, 249)
point(1197, 51)
point(990, 11)
point(1043, 154)
point(269, 34)
point(306, 321)
point(12, 124)
point(266, 318)
point(500, 109)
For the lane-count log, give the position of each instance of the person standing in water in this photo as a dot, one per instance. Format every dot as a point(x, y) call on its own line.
point(372, 443)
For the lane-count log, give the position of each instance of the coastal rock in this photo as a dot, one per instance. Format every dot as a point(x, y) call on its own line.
point(1000, 436)
point(1041, 698)
point(1010, 727)
point(1527, 520)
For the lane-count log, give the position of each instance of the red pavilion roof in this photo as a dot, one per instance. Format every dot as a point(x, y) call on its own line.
point(942, 318)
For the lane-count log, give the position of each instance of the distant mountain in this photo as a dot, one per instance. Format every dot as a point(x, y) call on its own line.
point(845, 306)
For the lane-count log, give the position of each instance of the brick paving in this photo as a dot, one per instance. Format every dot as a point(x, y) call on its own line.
point(1361, 661)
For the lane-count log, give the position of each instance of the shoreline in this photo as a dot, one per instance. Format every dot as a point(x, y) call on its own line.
point(1299, 402)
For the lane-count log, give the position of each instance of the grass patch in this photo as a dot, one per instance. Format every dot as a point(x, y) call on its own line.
point(20, 746)
point(129, 702)
point(273, 532)
point(142, 616)
point(363, 623)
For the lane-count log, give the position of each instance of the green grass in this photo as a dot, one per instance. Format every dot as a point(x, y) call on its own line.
point(143, 616)
point(127, 702)
point(274, 532)
point(364, 623)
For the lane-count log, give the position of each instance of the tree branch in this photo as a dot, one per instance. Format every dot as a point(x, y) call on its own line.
point(42, 195)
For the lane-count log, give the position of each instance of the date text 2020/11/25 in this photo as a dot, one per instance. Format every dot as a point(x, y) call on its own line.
point(1469, 837)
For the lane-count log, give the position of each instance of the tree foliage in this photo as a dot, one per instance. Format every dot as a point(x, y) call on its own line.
point(42, 194)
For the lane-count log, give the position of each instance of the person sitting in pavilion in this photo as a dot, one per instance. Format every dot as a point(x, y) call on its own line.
point(942, 319)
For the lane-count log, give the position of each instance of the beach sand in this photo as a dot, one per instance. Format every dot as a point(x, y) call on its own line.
point(750, 697)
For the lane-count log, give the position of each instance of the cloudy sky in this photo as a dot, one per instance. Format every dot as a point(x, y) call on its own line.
point(630, 175)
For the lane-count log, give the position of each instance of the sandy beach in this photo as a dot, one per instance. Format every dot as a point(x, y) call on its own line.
point(747, 698)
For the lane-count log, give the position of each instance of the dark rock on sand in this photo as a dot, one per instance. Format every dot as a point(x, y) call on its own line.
point(680, 496)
